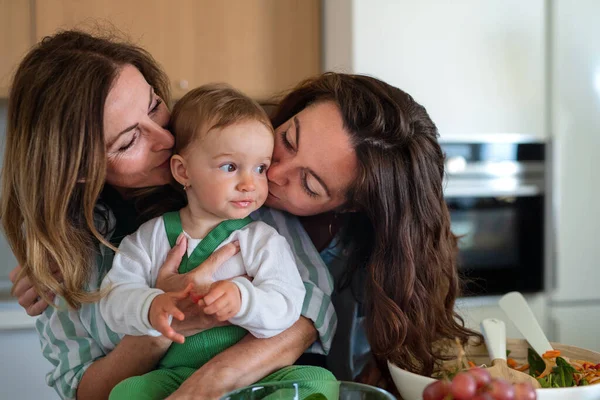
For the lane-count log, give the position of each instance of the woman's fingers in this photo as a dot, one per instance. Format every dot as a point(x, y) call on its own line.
point(202, 275)
point(38, 307)
point(32, 303)
point(24, 284)
point(12, 275)
point(26, 294)
point(168, 278)
point(171, 264)
point(28, 298)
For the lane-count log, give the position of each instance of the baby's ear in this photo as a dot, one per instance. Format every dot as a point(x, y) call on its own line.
point(179, 170)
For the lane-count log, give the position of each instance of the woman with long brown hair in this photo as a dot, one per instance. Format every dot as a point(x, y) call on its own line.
point(361, 157)
point(358, 161)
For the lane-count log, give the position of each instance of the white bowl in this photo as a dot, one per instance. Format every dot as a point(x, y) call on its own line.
point(411, 386)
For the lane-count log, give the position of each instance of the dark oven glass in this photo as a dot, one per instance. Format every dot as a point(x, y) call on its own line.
point(501, 244)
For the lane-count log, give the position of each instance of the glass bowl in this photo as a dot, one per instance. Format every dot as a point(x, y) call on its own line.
point(309, 390)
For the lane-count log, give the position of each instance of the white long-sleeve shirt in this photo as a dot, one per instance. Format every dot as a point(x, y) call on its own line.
point(270, 303)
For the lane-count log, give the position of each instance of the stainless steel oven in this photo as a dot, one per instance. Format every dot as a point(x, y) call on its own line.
point(495, 190)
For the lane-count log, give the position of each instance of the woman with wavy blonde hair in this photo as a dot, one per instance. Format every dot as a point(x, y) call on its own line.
point(86, 161)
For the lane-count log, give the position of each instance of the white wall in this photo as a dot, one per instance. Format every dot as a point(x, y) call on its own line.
point(477, 66)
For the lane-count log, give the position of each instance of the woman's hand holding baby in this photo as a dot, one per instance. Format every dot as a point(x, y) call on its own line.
point(201, 278)
point(170, 280)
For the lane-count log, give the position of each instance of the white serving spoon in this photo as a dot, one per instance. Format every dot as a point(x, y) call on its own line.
point(494, 334)
point(518, 311)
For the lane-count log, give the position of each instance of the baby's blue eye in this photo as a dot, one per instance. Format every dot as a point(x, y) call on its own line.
point(227, 168)
point(261, 169)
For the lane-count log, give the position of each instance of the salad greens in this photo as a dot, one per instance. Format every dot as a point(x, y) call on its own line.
point(561, 375)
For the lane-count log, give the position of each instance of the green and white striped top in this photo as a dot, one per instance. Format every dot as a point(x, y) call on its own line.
point(73, 339)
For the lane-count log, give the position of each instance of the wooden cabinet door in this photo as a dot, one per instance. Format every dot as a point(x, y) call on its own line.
point(15, 38)
point(259, 46)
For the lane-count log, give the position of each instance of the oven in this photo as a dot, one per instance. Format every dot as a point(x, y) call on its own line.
point(495, 191)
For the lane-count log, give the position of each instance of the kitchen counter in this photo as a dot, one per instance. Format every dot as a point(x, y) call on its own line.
point(13, 316)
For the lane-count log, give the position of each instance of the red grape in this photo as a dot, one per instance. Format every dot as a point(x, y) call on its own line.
point(482, 376)
point(524, 391)
point(502, 390)
point(463, 386)
point(437, 390)
point(483, 396)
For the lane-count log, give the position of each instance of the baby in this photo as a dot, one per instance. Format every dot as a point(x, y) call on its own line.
point(224, 142)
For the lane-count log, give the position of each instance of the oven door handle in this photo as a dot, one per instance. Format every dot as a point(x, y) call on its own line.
point(523, 190)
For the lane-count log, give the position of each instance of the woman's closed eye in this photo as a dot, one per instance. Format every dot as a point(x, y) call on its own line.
point(136, 132)
point(156, 106)
point(286, 142)
point(306, 187)
point(131, 142)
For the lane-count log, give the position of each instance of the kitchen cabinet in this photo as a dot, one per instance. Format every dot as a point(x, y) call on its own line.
point(577, 325)
point(477, 66)
point(576, 127)
point(575, 105)
point(15, 38)
point(262, 47)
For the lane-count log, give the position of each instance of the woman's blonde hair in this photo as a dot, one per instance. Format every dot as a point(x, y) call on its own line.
point(55, 159)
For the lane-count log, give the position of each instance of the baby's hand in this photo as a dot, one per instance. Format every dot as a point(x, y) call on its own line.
point(223, 299)
point(163, 306)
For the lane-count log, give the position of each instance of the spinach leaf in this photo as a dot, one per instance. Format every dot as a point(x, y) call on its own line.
point(563, 372)
point(536, 363)
point(545, 382)
point(548, 381)
point(562, 363)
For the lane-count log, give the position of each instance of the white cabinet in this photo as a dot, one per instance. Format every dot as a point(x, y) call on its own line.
point(477, 66)
point(577, 325)
point(576, 130)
